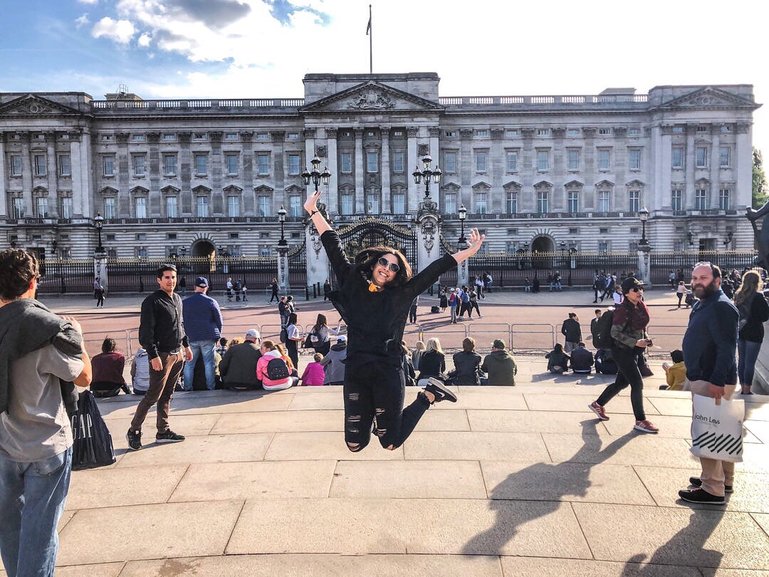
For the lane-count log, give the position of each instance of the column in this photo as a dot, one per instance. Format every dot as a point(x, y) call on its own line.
point(691, 130)
point(26, 171)
point(414, 192)
point(247, 178)
point(715, 165)
point(217, 183)
point(100, 268)
point(588, 135)
point(660, 158)
point(332, 200)
point(52, 173)
point(559, 171)
point(386, 207)
point(283, 284)
point(465, 164)
point(278, 137)
point(743, 166)
point(360, 191)
point(3, 178)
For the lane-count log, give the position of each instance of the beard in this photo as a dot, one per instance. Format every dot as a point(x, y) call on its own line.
point(704, 291)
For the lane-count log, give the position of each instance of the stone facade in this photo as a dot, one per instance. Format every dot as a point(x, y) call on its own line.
point(536, 172)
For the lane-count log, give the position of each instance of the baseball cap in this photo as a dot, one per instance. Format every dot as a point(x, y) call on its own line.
point(253, 334)
point(201, 281)
point(341, 339)
point(631, 283)
point(498, 344)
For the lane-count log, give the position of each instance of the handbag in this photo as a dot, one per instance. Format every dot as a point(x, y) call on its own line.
point(717, 429)
point(92, 445)
point(308, 344)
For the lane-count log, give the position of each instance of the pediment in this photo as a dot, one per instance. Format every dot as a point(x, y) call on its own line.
point(572, 184)
point(481, 186)
point(512, 186)
point(635, 183)
point(708, 98)
point(263, 189)
point(140, 191)
point(108, 191)
point(200, 189)
point(371, 97)
point(170, 189)
point(31, 105)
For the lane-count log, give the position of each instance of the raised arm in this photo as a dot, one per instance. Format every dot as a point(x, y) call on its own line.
point(474, 245)
point(316, 217)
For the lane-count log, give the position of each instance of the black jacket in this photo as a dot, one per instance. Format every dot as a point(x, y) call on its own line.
point(571, 330)
point(431, 364)
point(238, 365)
point(758, 314)
point(581, 360)
point(466, 366)
point(161, 326)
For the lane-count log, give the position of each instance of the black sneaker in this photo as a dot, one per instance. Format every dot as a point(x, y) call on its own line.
point(441, 392)
point(168, 436)
point(697, 482)
point(701, 496)
point(134, 439)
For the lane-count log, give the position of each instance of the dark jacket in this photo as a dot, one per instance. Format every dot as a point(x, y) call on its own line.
point(629, 323)
point(581, 360)
point(431, 364)
point(238, 365)
point(161, 326)
point(571, 330)
point(758, 314)
point(202, 318)
point(710, 341)
point(466, 366)
point(333, 363)
point(559, 359)
point(500, 367)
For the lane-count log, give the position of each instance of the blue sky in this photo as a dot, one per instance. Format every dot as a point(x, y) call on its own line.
point(262, 48)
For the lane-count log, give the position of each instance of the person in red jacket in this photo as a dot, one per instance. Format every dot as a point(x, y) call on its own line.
point(108, 367)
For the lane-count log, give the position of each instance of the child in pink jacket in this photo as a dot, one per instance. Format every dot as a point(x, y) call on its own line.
point(314, 373)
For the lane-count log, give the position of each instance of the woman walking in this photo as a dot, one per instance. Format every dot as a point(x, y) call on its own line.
point(373, 298)
point(628, 333)
point(754, 311)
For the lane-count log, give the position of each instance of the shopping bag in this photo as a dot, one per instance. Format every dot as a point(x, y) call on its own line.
point(92, 440)
point(717, 429)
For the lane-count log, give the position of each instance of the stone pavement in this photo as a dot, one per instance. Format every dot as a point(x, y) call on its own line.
point(508, 481)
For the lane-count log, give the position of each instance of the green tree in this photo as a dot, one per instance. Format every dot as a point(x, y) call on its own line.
point(760, 195)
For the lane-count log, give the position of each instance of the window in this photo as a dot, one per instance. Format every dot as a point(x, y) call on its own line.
point(233, 206)
point(294, 163)
point(172, 207)
point(169, 137)
point(701, 157)
point(139, 162)
point(677, 157)
point(677, 199)
point(678, 129)
point(573, 132)
point(347, 202)
point(372, 202)
point(604, 201)
point(295, 205)
point(262, 136)
point(108, 165)
point(263, 205)
point(399, 202)
point(231, 163)
point(543, 132)
point(703, 128)
point(263, 164)
point(543, 160)
point(292, 136)
point(573, 201)
point(65, 165)
point(201, 164)
point(140, 206)
point(603, 246)
point(18, 207)
point(450, 162)
point(482, 133)
point(202, 206)
point(137, 138)
point(573, 158)
point(110, 207)
point(450, 203)
point(700, 199)
point(481, 202)
point(231, 136)
point(604, 159)
point(41, 207)
point(543, 202)
point(140, 251)
point(604, 131)
point(634, 131)
point(512, 203)
point(724, 196)
point(511, 133)
point(634, 201)
point(511, 161)
point(399, 161)
point(725, 156)
point(15, 164)
point(481, 160)
point(169, 164)
point(634, 159)
point(39, 164)
point(372, 161)
point(345, 163)
point(65, 207)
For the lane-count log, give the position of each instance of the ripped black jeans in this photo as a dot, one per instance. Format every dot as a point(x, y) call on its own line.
point(374, 393)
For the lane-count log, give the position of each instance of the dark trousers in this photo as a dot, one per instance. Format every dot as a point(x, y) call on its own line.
point(373, 397)
point(160, 391)
point(627, 374)
point(274, 296)
point(413, 314)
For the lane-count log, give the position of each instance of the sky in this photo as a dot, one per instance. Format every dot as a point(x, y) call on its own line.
point(263, 48)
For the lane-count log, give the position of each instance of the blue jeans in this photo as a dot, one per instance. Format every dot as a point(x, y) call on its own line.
point(205, 348)
point(746, 365)
point(32, 497)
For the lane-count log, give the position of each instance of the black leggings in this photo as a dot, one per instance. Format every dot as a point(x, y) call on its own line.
point(627, 374)
point(373, 400)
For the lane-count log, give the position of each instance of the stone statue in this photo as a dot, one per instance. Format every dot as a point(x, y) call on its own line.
point(762, 236)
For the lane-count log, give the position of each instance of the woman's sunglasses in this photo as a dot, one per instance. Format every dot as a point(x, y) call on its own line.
point(387, 264)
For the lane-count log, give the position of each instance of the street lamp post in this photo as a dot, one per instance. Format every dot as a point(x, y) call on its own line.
point(427, 174)
point(562, 246)
point(315, 175)
point(99, 258)
point(283, 251)
point(462, 211)
point(463, 269)
point(282, 220)
point(643, 215)
point(98, 222)
point(644, 248)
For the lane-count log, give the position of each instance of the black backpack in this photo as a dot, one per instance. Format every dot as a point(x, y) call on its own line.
point(277, 369)
point(602, 339)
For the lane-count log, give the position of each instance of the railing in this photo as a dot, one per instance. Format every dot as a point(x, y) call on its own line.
point(549, 101)
point(197, 104)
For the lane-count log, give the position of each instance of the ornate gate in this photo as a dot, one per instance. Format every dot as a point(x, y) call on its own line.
point(373, 232)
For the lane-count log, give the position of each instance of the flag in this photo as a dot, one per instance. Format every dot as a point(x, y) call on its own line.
point(368, 28)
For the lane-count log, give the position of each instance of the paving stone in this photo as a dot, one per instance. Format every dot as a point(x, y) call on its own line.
point(408, 479)
point(478, 398)
point(211, 448)
point(280, 422)
point(763, 520)
point(185, 424)
point(148, 532)
point(578, 404)
point(231, 402)
point(100, 570)
point(324, 446)
point(564, 482)
point(446, 526)
point(629, 449)
point(535, 567)
point(317, 401)
point(758, 428)
point(131, 486)
point(530, 421)
point(673, 406)
point(228, 481)
point(463, 446)
point(757, 408)
point(733, 573)
point(318, 566)
point(668, 535)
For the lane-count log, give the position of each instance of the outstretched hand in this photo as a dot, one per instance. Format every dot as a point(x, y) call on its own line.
point(312, 202)
point(476, 241)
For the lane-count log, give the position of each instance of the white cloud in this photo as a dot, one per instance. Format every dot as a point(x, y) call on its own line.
point(89, 2)
point(121, 31)
point(144, 40)
point(82, 21)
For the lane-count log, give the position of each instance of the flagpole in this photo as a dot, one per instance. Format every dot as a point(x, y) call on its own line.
point(370, 43)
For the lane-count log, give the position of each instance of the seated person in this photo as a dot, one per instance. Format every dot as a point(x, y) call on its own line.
point(221, 347)
point(281, 348)
point(466, 364)
point(675, 374)
point(604, 362)
point(499, 366)
point(581, 360)
point(333, 362)
point(108, 368)
point(432, 362)
point(140, 372)
point(238, 365)
point(263, 372)
point(557, 360)
point(314, 374)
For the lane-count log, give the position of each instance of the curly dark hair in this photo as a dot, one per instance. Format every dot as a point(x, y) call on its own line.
point(108, 345)
point(367, 258)
point(17, 269)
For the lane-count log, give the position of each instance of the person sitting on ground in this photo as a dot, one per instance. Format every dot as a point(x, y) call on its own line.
point(108, 367)
point(416, 354)
point(221, 348)
point(333, 362)
point(557, 360)
point(313, 374)
point(581, 360)
point(140, 372)
point(499, 365)
point(675, 374)
point(238, 365)
point(432, 362)
point(263, 371)
point(280, 347)
point(466, 364)
point(604, 362)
